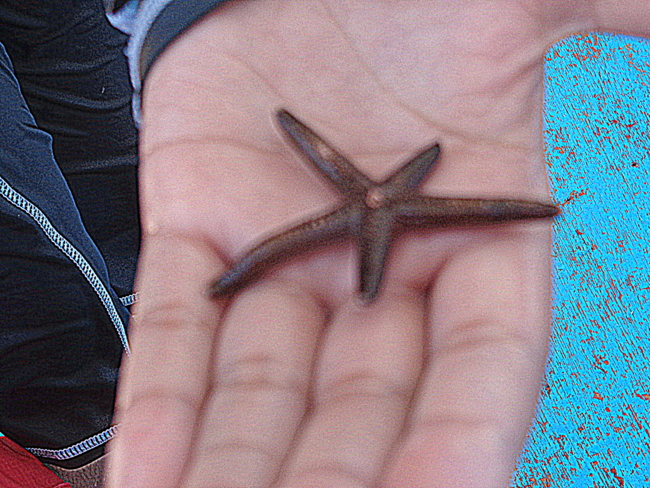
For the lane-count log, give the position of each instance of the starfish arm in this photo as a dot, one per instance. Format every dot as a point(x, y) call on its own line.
point(335, 225)
point(411, 174)
point(374, 243)
point(341, 172)
point(440, 212)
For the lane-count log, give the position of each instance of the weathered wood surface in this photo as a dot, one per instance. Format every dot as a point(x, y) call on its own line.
point(593, 425)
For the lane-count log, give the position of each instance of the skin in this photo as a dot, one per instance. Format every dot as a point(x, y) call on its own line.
point(292, 383)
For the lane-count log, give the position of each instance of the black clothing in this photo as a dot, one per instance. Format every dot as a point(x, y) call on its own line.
point(69, 233)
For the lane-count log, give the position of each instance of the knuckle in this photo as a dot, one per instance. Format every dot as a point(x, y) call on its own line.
point(487, 337)
point(262, 372)
point(365, 385)
point(174, 313)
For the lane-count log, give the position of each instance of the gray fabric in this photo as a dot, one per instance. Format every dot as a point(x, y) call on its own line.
point(92, 475)
point(146, 14)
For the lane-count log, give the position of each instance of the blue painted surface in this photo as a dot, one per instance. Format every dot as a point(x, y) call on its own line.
point(593, 424)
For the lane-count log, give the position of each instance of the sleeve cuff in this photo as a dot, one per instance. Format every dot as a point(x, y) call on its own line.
point(158, 23)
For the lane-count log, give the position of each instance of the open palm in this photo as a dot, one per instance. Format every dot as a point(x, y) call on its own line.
point(293, 382)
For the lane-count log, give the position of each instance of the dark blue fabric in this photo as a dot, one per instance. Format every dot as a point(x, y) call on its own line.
point(107, 199)
point(72, 71)
point(59, 349)
point(173, 20)
point(74, 76)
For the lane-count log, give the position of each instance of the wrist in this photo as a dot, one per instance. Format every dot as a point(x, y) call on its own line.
point(158, 24)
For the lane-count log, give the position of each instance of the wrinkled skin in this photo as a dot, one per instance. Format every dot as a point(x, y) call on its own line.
point(293, 383)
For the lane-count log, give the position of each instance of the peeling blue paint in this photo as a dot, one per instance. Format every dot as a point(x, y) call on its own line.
point(593, 425)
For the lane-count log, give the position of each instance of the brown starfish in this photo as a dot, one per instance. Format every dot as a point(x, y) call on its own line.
point(372, 212)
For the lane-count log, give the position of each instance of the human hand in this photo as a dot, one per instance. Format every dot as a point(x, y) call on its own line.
point(435, 383)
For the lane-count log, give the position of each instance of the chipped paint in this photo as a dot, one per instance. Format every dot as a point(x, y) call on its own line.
point(593, 424)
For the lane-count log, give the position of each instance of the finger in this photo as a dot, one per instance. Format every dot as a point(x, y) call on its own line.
point(263, 370)
point(365, 378)
point(490, 319)
point(164, 381)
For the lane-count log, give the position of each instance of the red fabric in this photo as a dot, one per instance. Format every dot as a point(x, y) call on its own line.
point(19, 469)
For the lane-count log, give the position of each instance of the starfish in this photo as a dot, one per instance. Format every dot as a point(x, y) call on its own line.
point(372, 212)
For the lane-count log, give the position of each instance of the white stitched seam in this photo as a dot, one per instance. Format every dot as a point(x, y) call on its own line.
point(76, 449)
point(16, 199)
point(129, 300)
